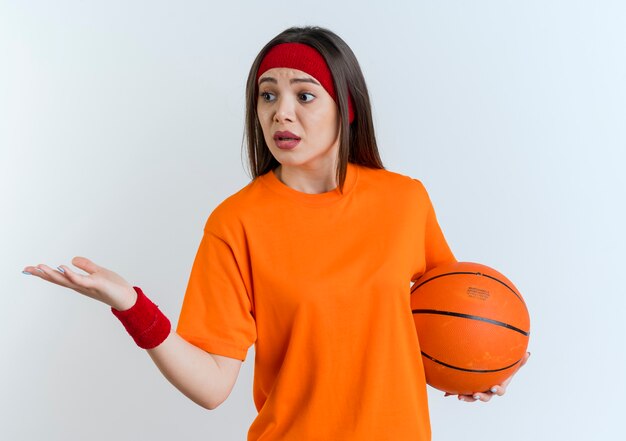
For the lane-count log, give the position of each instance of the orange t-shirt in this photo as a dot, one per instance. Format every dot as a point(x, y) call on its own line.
point(320, 283)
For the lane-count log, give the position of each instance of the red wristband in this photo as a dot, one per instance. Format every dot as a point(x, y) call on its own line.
point(144, 321)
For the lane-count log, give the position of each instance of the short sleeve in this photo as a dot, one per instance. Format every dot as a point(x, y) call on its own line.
point(437, 251)
point(217, 313)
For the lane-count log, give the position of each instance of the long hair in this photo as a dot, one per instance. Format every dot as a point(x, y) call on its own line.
point(357, 143)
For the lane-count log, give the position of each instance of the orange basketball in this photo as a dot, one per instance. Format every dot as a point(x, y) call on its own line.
point(472, 324)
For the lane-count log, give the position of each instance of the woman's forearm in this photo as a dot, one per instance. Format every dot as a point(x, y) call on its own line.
point(205, 378)
point(191, 370)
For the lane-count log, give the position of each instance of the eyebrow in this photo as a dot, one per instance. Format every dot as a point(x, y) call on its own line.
point(292, 81)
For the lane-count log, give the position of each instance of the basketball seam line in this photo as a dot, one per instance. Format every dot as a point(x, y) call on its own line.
point(471, 317)
point(478, 371)
point(414, 287)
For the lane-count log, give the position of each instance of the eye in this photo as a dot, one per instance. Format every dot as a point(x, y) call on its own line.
point(306, 97)
point(267, 96)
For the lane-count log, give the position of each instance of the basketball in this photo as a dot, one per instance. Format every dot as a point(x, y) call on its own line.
point(472, 324)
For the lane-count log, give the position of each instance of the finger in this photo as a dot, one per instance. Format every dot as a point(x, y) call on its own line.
point(75, 278)
point(85, 264)
point(482, 396)
point(498, 390)
point(33, 271)
point(467, 398)
point(54, 276)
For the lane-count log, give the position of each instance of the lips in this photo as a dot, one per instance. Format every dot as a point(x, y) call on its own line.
point(285, 136)
point(286, 140)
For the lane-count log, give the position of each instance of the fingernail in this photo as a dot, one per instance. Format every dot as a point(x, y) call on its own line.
point(477, 397)
point(27, 273)
point(494, 390)
point(60, 269)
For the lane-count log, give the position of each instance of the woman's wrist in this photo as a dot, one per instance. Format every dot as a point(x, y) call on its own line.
point(127, 301)
point(145, 323)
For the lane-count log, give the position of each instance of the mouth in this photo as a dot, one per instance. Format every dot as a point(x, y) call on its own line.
point(286, 140)
point(286, 136)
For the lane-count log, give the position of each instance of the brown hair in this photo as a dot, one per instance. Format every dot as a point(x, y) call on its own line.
point(357, 143)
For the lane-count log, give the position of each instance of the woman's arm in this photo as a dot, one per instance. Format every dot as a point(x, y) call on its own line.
point(207, 379)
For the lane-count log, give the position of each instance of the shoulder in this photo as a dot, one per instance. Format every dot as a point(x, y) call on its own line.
point(229, 213)
point(398, 183)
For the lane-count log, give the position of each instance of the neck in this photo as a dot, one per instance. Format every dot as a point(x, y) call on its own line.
point(310, 181)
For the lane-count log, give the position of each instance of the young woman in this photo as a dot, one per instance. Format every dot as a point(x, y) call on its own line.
point(311, 262)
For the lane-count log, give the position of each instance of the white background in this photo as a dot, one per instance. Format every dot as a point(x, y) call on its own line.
point(121, 128)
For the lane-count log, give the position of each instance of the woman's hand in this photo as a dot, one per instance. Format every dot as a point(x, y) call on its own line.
point(100, 283)
point(495, 390)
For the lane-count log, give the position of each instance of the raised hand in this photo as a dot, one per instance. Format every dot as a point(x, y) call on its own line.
point(100, 283)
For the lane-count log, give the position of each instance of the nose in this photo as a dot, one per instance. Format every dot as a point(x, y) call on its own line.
point(285, 110)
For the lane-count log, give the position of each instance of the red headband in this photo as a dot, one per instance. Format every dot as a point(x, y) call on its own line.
point(305, 58)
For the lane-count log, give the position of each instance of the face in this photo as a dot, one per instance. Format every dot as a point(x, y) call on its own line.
point(300, 120)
